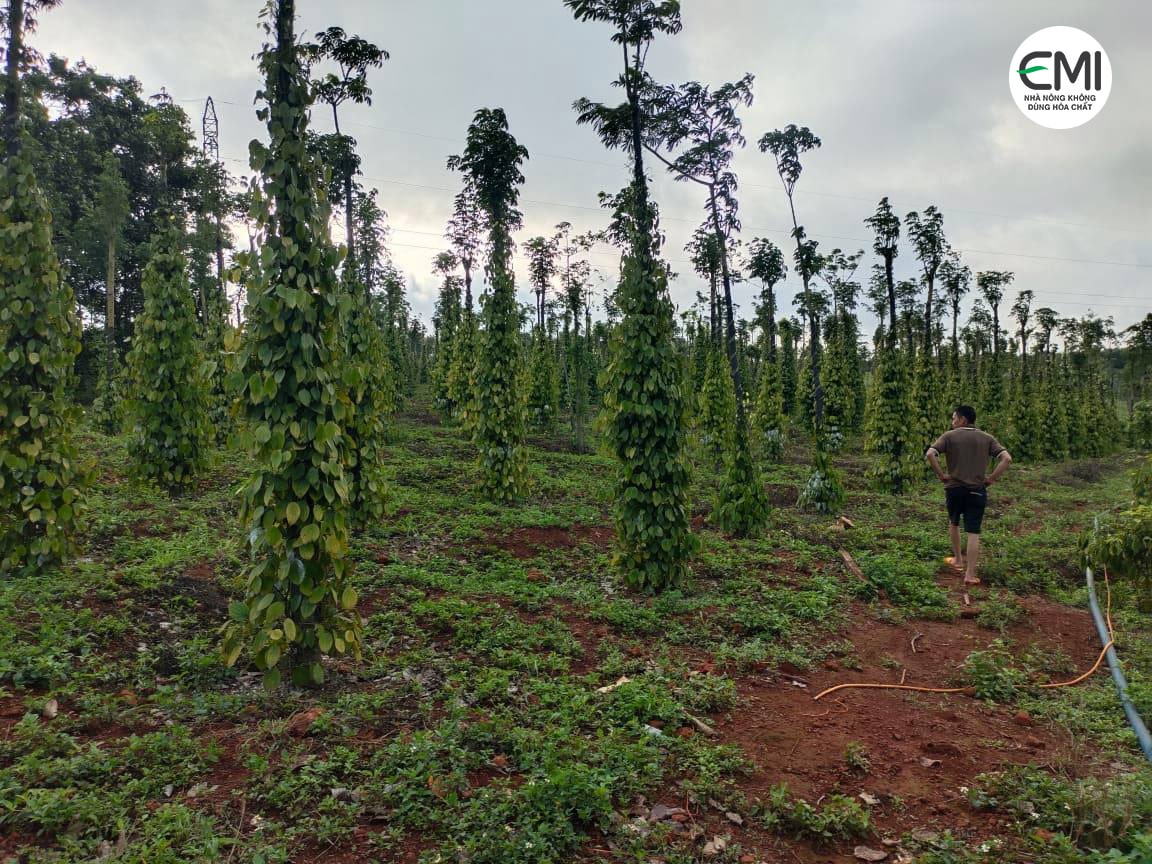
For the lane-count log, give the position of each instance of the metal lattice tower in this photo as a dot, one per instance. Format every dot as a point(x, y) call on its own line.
point(211, 131)
point(210, 127)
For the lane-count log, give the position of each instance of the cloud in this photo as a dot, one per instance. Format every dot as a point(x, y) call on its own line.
point(909, 97)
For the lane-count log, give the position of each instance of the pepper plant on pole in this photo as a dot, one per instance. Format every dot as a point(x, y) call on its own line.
point(704, 252)
point(843, 377)
point(787, 145)
point(1054, 426)
point(885, 225)
point(465, 233)
point(299, 603)
point(491, 162)
point(955, 279)
point(790, 332)
point(991, 285)
point(575, 280)
point(812, 306)
point(701, 129)
point(168, 396)
point(926, 234)
point(886, 421)
point(766, 262)
point(716, 408)
point(367, 374)
point(447, 325)
point(644, 401)
point(110, 210)
point(40, 477)
point(544, 390)
point(1024, 420)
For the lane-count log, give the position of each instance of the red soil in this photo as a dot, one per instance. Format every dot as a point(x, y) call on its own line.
point(922, 748)
point(792, 739)
point(526, 543)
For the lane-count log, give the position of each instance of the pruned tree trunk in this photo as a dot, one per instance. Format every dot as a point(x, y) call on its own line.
point(813, 334)
point(110, 311)
point(220, 255)
point(348, 219)
point(771, 323)
point(713, 321)
point(890, 281)
point(11, 120)
point(348, 209)
point(468, 286)
point(639, 181)
point(729, 322)
point(931, 281)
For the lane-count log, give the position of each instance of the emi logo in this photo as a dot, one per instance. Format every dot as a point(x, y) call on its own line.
point(1085, 63)
point(1060, 77)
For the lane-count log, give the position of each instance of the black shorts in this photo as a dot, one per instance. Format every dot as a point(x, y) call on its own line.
point(969, 503)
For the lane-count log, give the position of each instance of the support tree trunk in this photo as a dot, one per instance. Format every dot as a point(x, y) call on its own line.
point(890, 281)
point(220, 255)
point(813, 333)
point(11, 119)
point(110, 311)
point(729, 322)
point(348, 209)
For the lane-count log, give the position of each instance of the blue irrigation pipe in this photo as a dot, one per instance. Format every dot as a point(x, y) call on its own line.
point(1137, 724)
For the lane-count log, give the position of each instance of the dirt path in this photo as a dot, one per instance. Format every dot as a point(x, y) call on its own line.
point(922, 749)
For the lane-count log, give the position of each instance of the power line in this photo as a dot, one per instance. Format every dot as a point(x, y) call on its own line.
point(869, 199)
point(686, 261)
point(786, 231)
point(805, 191)
point(533, 154)
point(1056, 258)
point(523, 256)
point(950, 209)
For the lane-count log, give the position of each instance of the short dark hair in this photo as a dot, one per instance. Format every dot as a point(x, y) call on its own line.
point(967, 412)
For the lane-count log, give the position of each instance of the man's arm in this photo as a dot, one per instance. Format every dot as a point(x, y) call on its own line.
point(1002, 463)
point(933, 458)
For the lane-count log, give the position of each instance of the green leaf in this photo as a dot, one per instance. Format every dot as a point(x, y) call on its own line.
point(232, 653)
point(324, 639)
point(348, 598)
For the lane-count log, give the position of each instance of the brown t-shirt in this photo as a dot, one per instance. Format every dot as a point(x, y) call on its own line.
point(967, 450)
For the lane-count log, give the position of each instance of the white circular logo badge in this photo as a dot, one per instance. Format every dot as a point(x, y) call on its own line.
point(1060, 77)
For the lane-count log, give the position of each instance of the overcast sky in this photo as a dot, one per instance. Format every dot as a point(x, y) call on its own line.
point(910, 98)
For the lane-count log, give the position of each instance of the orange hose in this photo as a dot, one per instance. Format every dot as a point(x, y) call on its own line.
point(1087, 674)
point(1076, 680)
point(1111, 636)
point(824, 693)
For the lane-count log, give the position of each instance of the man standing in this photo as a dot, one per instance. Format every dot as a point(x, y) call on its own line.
point(968, 451)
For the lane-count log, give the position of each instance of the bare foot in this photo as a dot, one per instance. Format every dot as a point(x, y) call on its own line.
point(955, 563)
point(971, 580)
